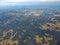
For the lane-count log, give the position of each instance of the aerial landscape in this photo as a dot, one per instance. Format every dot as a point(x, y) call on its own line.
point(30, 23)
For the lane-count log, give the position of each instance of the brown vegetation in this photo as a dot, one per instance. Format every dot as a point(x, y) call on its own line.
point(9, 41)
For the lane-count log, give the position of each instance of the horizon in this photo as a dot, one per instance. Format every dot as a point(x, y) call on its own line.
point(3, 1)
point(27, 3)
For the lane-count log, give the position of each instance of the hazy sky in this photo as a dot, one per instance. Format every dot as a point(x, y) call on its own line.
point(28, 0)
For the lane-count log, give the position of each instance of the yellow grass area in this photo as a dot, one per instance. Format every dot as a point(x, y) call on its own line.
point(9, 41)
point(46, 39)
point(38, 39)
point(47, 26)
point(36, 14)
point(51, 26)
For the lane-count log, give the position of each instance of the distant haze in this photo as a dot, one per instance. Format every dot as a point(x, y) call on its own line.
point(29, 0)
